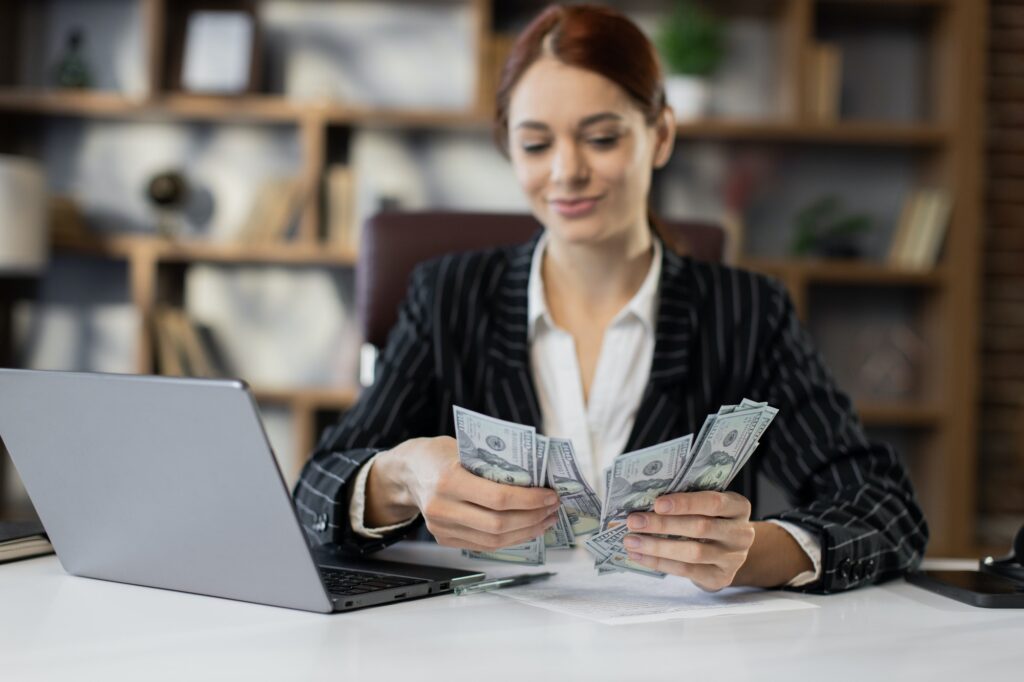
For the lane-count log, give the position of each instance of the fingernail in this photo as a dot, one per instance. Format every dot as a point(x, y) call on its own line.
point(551, 499)
point(634, 556)
point(631, 542)
point(636, 521)
point(663, 506)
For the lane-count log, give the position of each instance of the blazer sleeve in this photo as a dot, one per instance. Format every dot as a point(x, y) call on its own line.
point(855, 495)
point(400, 404)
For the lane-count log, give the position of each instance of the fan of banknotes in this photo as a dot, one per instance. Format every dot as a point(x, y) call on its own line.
point(515, 454)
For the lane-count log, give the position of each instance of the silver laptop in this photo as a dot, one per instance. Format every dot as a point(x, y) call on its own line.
point(171, 483)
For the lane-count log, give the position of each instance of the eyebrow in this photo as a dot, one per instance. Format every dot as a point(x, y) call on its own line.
point(584, 122)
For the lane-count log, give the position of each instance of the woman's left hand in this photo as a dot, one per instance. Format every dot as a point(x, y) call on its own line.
point(712, 536)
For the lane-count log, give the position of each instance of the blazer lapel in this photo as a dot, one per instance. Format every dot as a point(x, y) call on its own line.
point(509, 390)
point(662, 413)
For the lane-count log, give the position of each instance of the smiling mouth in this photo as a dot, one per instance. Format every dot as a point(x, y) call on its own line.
point(573, 208)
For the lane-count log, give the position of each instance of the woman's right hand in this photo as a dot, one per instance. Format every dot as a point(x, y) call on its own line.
point(460, 508)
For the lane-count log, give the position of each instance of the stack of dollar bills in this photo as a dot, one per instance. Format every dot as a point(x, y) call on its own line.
point(514, 454)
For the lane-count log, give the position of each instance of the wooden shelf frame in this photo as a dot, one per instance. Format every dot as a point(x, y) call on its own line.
point(951, 139)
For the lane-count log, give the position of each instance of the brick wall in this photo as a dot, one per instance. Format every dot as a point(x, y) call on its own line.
point(1001, 476)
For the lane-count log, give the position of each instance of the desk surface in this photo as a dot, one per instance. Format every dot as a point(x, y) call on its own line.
point(55, 626)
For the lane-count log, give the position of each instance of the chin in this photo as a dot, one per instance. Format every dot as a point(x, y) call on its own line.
point(589, 230)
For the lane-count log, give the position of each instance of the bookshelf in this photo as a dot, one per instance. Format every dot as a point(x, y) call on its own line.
point(940, 137)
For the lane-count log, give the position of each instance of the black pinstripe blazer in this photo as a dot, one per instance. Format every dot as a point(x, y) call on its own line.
point(722, 334)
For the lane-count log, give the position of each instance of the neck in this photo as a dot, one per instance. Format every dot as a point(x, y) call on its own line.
point(597, 278)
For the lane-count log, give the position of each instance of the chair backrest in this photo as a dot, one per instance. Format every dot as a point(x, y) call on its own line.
point(393, 243)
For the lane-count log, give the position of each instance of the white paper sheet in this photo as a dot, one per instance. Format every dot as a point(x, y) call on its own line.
point(621, 599)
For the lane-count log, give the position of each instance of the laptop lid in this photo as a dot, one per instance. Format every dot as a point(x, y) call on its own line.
point(158, 481)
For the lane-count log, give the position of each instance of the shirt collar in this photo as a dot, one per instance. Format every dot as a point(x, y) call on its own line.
point(643, 305)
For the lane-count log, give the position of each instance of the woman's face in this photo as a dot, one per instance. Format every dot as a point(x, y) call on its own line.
point(582, 152)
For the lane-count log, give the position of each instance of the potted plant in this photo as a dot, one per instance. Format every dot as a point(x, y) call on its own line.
point(691, 44)
point(824, 228)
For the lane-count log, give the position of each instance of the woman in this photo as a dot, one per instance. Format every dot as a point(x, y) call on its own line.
point(599, 331)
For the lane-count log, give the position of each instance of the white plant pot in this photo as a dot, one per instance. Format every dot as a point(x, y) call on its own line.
point(688, 96)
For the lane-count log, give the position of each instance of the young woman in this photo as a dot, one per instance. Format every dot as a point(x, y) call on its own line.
point(599, 330)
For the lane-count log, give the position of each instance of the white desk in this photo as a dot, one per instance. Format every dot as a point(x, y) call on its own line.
point(54, 626)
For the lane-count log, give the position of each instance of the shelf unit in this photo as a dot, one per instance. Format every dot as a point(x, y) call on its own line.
point(948, 138)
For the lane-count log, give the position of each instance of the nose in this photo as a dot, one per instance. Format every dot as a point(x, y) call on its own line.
point(569, 165)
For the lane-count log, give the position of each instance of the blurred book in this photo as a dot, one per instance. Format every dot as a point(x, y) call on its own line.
point(342, 231)
point(921, 231)
point(22, 539)
point(824, 82)
point(274, 212)
point(183, 347)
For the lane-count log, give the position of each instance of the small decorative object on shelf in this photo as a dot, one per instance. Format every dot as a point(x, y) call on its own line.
point(274, 211)
point(823, 229)
point(342, 231)
point(219, 52)
point(917, 241)
point(73, 70)
point(691, 45)
point(824, 81)
point(168, 192)
point(24, 240)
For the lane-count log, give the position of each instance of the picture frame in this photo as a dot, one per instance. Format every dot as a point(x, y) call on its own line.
point(216, 50)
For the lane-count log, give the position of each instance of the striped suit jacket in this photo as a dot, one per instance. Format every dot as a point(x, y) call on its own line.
point(722, 334)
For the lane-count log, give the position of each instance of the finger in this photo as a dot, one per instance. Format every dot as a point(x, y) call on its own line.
point(731, 532)
point(493, 541)
point(473, 516)
point(687, 551)
point(704, 503)
point(499, 496)
point(708, 578)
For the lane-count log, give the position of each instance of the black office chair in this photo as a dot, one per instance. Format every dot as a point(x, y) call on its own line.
point(394, 243)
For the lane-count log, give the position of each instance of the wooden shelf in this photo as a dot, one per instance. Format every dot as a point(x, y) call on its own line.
point(275, 109)
point(908, 414)
point(844, 132)
point(129, 246)
point(258, 108)
point(835, 271)
point(70, 102)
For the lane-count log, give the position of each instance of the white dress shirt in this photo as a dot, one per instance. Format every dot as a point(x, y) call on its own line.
point(599, 427)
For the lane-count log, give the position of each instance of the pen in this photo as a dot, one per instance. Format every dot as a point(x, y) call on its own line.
point(511, 581)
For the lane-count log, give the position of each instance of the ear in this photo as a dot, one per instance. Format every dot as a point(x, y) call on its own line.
point(665, 137)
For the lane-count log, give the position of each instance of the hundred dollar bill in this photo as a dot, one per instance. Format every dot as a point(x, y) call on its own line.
point(579, 501)
point(767, 415)
point(608, 545)
point(529, 553)
point(606, 475)
point(560, 535)
point(725, 442)
point(502, 452)
point(640, 477)
point(495, 449)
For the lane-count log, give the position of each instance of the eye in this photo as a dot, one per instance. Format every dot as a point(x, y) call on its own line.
point(604, 141)
point(535, 147)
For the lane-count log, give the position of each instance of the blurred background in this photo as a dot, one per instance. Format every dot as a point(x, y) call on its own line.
point(182, 185)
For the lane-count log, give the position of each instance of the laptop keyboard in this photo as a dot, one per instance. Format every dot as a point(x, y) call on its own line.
point(341, 581)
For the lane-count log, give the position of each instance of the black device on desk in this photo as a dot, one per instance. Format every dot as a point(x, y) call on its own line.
point(998, 583)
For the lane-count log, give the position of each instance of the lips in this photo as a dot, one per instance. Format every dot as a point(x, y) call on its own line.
point(575, 208)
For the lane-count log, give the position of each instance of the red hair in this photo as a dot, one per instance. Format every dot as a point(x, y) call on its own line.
point(598, 39)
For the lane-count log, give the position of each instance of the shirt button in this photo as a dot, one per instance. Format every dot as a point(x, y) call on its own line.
point(320, 524)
